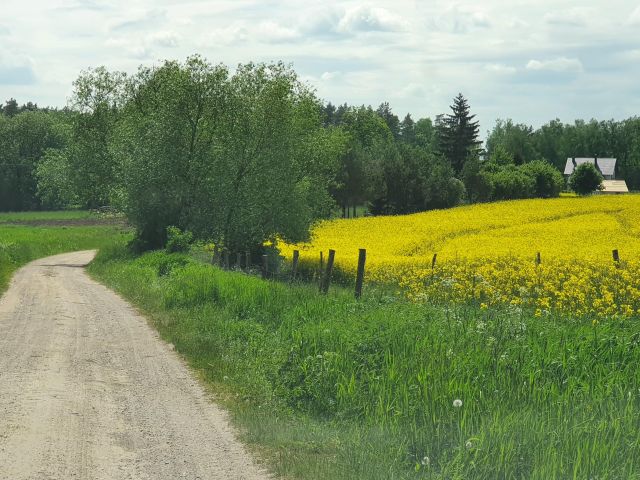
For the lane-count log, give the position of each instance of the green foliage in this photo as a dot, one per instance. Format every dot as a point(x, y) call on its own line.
point(24, 139)
point(235, 159)
point(549, 182)
point(98, 98)
point(517, 140)
point(500, 179)
point(501, 156)
point(585, 179)
point(511, 183)
point(412, 180)
point(477, 181)
point(54, 186)
point(177, 240)
point(344, 389)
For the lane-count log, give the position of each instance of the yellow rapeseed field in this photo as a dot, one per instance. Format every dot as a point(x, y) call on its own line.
point(486, 253)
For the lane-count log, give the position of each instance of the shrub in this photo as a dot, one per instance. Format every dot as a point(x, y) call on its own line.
point(585, 179)
point(548, 180)
point(511, 183)
point(177, 240)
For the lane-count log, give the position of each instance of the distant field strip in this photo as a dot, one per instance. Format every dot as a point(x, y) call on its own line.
point(486, 253)
point(27, 236)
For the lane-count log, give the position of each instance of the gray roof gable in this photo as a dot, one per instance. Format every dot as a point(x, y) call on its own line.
point(607, 166)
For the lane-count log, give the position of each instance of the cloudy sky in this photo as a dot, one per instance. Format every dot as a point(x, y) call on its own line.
point(530, 60)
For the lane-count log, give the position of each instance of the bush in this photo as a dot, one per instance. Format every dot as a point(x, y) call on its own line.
point(585, 179)
point(511, 183)
point(440, 188)
point(548, 180)
point(477, 181)
point(177, 240)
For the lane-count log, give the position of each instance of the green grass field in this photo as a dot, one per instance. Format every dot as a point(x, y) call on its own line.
point(19, 244)
point(8, 217)
point(327, 387)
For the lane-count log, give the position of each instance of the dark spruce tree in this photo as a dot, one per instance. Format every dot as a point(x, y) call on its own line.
point(458, 134)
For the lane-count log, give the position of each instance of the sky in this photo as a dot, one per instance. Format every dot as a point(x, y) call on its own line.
point(531, 61)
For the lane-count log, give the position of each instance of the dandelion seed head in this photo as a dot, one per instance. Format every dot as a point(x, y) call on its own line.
point(457, 403)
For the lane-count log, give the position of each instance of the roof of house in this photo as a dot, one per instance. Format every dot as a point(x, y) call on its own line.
point(607, 166)
point(614, 186)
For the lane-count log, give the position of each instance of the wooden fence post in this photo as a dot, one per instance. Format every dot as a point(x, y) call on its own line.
point(321, 271)
point(247, 262)
point(326, 281)
point(265, 266)
point(226, 259)
point(294, 264)
point(433, 261)
point(238, 261)
point(616, 257)
point(538, 259)
point(214, 258)
point(362, 258)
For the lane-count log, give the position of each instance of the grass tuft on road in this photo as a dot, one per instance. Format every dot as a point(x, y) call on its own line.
point(327, 387)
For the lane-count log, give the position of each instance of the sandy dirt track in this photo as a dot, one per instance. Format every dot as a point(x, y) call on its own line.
point(89, 391)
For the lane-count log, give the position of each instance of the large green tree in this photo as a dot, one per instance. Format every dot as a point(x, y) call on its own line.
point(238, 159)
point(98, 99)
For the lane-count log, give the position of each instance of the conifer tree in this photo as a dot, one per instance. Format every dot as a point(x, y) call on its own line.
point(458, 134)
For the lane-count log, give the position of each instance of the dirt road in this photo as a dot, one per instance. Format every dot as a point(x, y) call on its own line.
point(89, 391)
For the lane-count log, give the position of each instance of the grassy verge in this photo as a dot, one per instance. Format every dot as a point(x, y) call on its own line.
point(328, 387)
point(20, 244)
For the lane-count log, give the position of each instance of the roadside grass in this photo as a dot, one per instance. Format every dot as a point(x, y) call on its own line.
point(329, 387)
point(21, 244)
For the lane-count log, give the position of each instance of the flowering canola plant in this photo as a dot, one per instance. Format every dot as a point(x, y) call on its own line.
point(486, 253)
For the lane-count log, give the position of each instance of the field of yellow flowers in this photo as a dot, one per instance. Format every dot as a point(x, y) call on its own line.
point(487, 254)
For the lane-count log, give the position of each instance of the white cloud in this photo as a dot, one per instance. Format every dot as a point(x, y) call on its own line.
point(138, 19)
point(328, 76)
point(629, 55)
point(573, 17)
point(367, 19)
point(130, 47)
point(163, 39)
point(561, 64)
point(459, 19)
point(269, 31)
point(511, 62)
point(234, 34)
point(500, 69)
point(634, 18)
point(411, 90)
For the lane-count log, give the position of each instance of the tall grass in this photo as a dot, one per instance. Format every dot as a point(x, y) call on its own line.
point(335, 388)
